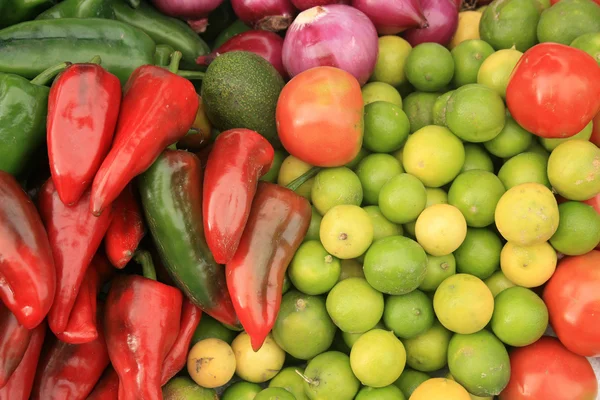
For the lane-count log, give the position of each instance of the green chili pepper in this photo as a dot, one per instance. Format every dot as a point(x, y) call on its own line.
point(79, 9)
point(14, 11)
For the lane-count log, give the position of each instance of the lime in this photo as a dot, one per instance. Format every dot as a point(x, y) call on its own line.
point(351, 269)
point(386, 127)
point(382, 227)
point(377, 358)
point(391, 59)
point(479, 254)
point(463, 303)
point(429, 67)
point(526, 167)
point(498, 282)
point(475, 113)
point(257, 366)
point(402, 198)
point(475, 193)
point(380, 91)
point(567, 20)
point(374, 171)
point(574, 169)
point(508, 23)
point(351, 338)
point(467, 29)
point(440, 229)
point(440, 389)
point(274, 393)
point(241, 391)
point(476, 158)
point(584, 134)
point(286, 284)
point(346, 231)
point(428, 352)
point(438, 269)
point(537, 148)
point(408, 315)
point(439, 109)
point(389, 392)
point(434, 155)
point(211, 328)
point(512, 140)
point(313, 270)
point(182, 387)
point(496, 69)
point(315, 225)
point(395, 265)
point(472, 396)
point(479, 362)
point(409, 380)
point(211, 363)
point(271, 175)
point(434, 196)
point(292, 168)
point(520, 317)
point(418, 107)
point(590, 43)
point(528, 266)
point(329, 376)
point(468, 57)
point(354, 306)
point(335, 186)
point(359, 157)
point(578, 229)
point(527, 214)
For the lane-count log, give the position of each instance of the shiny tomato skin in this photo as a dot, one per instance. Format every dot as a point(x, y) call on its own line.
point(596, 129)
point(572, 296)
point(320, 116)
point(546, 370)
point(554, 90)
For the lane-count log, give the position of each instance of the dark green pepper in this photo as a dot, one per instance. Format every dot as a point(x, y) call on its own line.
point(79, 9)
point(14, 11)
point(28, 48)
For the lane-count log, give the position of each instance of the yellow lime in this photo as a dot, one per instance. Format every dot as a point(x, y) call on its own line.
point(257, 366)
point(498, 282)
point(346, 231)
point(440, 389)
point(441, 229)
point(393, 51)
point(292, 168)
point(574, 169)
point(468, 27)
point(380, 91)
point(473, 397)
point(378, 358)
point(528, 266)
point(496, 69)
point(211, 363)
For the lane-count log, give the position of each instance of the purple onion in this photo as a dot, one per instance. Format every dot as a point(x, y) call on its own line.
point(442, 18)
point(306, 4)
point(268, 15)
point(392, 16)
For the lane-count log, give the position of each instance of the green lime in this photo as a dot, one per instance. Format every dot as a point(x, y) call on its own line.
point(408, 315)
point(274, 393)
point(475, 113)
point(429, 67)
point(402, 198)
point(434, 155)
point(334, 187)
point(346, 231)
point(567, 20)
point(475, 193)
point(287, 285)
point(391, 59)
point(434, 196)
point(211, 328)
point(438, 269)
point(520, 316)
point(374, 171)
point(351, 269)
point(498, 282)
point(386, 127)
point(418, 107)
point(512, 140)
point(182, 387)
point(382, 227)
point(578, 229)
point(351, 338)
point(377, 358)
point(590, 43)
point(410, 380)
point(271, 175)
point(477, 158)
point(584, 134)
point(536, 147)
point(526, 167)
point(354, 306)
point(359, 157)
point(292, 168)
point(315, 225)
point(439, 109)
point(389, 392)
point(428, 351)
point(241, 390)
point(496, 69)
point(468, 57)
point(379, 91)
point(313, 270)
point(508, 23)
point(574, 169)
point(479, 254)
point(329, 376)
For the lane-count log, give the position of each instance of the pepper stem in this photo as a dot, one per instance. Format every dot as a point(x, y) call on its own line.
point(299, 181)
point(95, 60)
point(144, 258)
point(175, 59)
point(197, 75)
point(47, 75)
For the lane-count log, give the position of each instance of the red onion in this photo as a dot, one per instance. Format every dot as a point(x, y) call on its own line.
point(266, 44)
point(268, 15)
point(306, 4)
point(186, 9)
point(442, 16)
point(335, 35)
point(392, 16)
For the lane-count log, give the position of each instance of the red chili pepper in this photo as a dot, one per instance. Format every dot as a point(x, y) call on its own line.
point(277, 224)
point(14, 340)
point(75, 235)
point(126, 229)
point(21, 381)
point(158, 109)
point(27, 273)
point(107, 387)
point(239, 157)
point(83, 107)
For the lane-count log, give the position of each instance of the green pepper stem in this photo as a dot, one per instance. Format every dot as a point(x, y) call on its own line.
point(175, 59)
point(47, 75)
point(133, 3)
point(144, 258)
point(299, 181)
point(95, 60)
point(195, 75)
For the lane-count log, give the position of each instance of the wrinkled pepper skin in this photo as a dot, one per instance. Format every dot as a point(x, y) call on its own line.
point(277, 224)
point(83, 107)
point(107, 387)
point(21, 381)
point(158, 109)
point(14, 340)
point(79, 9)
point(15, 11)
point(27, 272)
point(74, 235)
point(238, 159)
point(171, 192)
point(30, 47)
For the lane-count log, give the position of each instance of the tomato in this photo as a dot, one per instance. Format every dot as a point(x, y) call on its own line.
point(546, 370)
point(572, 296)
point(554, 90)
point(596, 129)
point(320, 117)
point(595, 202)
point(553, 2)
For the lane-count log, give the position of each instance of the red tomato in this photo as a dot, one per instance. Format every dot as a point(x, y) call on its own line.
point(320, 117)
point(572, 296)
point(554, 90)
point(546, 370)
point(595, 202)
point(596, 129)
point(553, 2)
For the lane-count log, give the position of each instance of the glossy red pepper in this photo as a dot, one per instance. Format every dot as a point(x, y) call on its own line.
point(126, 229)
point(158, 109)
point(75, 235)
point(238, 159)
point(14, 339)
point(83, 107)
point(27, 273)
point(277, 224)
point(107, 387)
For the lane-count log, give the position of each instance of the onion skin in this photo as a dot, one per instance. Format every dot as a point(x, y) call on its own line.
point(268, 45)
point(336, 35)
point(392, 16)
point(442, 16)
point(186, 9)
point(268, 15)
point(306, 4)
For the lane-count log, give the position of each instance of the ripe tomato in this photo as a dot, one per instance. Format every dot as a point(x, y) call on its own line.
point(572, 296)
point(595, 202)
point(547, 370)
point(554, 90)
point(596, 129)
point(320, 117)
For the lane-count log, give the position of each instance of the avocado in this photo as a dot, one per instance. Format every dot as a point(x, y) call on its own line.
point(240, 90)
